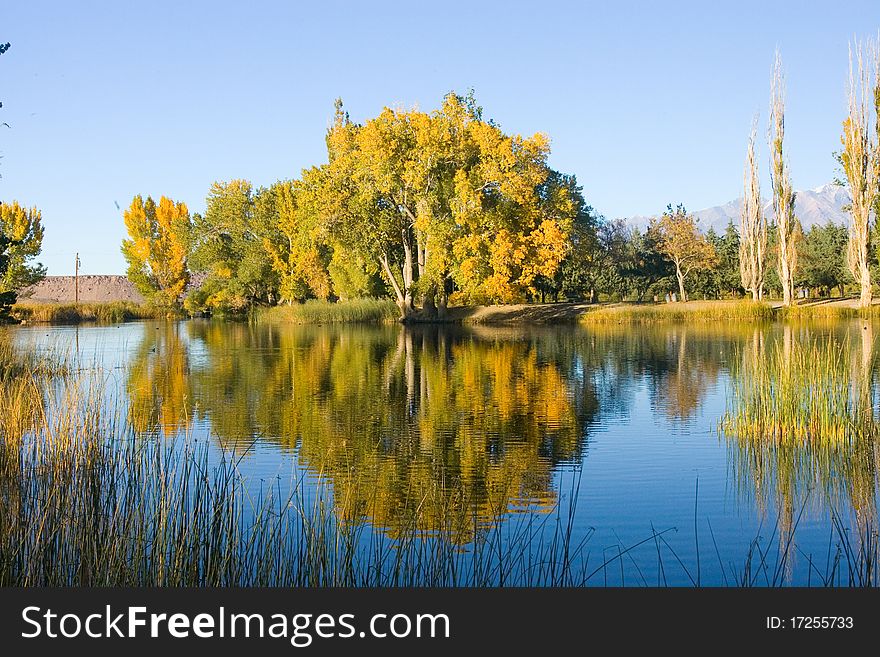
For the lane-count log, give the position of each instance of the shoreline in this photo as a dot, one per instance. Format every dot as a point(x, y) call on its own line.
point(374, 311)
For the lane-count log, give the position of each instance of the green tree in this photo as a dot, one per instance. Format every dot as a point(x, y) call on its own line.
point(228, 247)
point(613, 239)
point(824, 259)
point(577, 274)
point(646, 268)
point(727, 246)
point(7, 298)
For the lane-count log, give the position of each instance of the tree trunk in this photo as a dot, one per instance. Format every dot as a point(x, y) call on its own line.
point(680, 276)
point(428, 303)
point(785, 272)
point(400, 296)
point(441, 305)
point(407, 307)
point(865, 276)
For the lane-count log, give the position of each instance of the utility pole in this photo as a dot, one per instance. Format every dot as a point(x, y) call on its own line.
point(76, 281)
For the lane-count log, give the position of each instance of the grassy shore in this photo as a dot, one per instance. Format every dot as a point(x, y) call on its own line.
point(326, 312)
point(746, 311)
point(834, 310)
point(112, 312)
point(714, 311)
point(386, 311)
point(696, 311)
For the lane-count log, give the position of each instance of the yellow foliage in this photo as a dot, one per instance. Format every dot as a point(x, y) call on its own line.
point(18, 222)
point(156, 248)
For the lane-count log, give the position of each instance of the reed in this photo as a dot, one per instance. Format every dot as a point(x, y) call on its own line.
point(89, 501)
point(325, 312)
point(800, 392)
point(827, 311)
point(105, 313)
point(692, 311)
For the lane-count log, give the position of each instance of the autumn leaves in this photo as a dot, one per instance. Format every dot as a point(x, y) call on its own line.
point(429, 207)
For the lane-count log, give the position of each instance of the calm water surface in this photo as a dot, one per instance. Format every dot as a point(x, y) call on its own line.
point(617, 426)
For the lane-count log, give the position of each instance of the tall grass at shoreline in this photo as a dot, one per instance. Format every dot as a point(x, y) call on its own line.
point(826, 311)
point(105, 313)
point(691, 311)
point(314, 311)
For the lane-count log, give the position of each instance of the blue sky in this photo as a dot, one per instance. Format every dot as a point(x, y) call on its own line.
point(647, 103)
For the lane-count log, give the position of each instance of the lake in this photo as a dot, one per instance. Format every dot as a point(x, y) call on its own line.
point(652, 446)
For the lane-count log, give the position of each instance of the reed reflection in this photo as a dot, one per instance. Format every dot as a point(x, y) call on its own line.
point(801, 421)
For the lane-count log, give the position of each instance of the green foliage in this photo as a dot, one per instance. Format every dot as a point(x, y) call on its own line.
point(228, 246)
point(823, 259)
point(724, 279)
point(577, 276)
point(7, 298)
point(727, 248)
point(614, 240)
point(645, 267)
point(353, 277)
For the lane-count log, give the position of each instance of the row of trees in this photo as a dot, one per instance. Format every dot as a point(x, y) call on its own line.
point(430, 207)
point(445, 207)
point(860, 162)
point(640, 265)
point(427, 208)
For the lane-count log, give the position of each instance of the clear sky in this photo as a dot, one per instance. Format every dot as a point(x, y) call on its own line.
point(647, 103)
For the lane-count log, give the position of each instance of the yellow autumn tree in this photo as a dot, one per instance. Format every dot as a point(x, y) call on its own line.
point(299, 253)
point(444, 200)
point(156, 249)
point(23, 229)
point(860, 158)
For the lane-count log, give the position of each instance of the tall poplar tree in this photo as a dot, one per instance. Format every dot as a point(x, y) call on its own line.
point(787, 226)
point(861, 160)
point(752, 227)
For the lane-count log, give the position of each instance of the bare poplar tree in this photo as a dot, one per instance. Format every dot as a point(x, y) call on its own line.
point(787, 225)
point(752, 226)
point(861, 160)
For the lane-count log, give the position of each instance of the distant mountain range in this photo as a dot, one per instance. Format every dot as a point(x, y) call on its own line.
point(811, 206)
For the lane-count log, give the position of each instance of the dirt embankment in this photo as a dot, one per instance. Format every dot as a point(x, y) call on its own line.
point(92, 288)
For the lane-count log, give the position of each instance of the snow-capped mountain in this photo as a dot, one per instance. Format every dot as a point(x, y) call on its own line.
point(811, 206)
